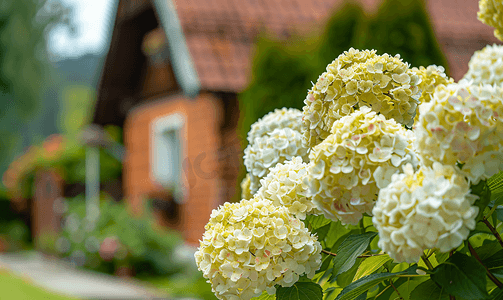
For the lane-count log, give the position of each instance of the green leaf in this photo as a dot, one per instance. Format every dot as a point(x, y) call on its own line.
point(266, 296)
point(495, 183)
point(499, 213)
point(364, 284)
point(326, 259)
point(495, 263)
point(338, 233)
point(322, 232)
point(481, 190)
point(497, 197)
point(497, 294)
point(488, 248)
point(300, 291)
point(316, 221)
point(462, 276)
point(347, 277)
point(370, 265)
point(429, 290)
point(405, 286)
point(480, 228)
point(349, 250)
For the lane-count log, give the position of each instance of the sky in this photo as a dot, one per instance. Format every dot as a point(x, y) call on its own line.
point(91, 19)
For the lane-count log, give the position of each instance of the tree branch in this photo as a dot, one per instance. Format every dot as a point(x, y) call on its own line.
point(398, 293)
point(493, 230)
point(489, 274)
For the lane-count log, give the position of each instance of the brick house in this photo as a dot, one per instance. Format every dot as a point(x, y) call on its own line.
point(171, 79)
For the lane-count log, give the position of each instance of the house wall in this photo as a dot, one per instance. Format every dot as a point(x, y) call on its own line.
point(48, 188)
point(201, 168)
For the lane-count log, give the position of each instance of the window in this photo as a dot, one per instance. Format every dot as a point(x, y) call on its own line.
point(166, 163)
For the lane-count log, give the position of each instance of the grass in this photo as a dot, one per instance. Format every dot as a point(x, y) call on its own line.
point(18, 288)
point(183, 285)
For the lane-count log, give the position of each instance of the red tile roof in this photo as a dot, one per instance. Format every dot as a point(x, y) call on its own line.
point(220, 33)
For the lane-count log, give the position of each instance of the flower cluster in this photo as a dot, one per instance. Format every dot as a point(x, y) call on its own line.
point(279, 118)
point(491, 13)
point(463, 124)
point(486, 66)
point(284, 187)
point(265, 152)
point(250, 246)
point(349, 167)
point(431, 208)
point(360, 78)
point(245, 188)
point(431, 77)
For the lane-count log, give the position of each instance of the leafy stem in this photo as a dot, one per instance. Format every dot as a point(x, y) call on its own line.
point(493, 230)
point(491, 211)
point(393, 286)
point(489, 274)
point(361, 256)
point(427, 262)
point(387, 287)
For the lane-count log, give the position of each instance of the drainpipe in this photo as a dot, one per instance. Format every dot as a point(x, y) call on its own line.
point(94, 138)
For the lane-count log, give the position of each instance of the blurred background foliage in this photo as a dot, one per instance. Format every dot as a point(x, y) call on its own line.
point(114, 241)
point(25, 72)
point(282, 72)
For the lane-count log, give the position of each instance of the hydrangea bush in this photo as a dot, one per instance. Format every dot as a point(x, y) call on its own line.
point(387, 185)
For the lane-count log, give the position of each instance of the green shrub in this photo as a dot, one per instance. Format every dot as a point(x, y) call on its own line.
point(116, 240)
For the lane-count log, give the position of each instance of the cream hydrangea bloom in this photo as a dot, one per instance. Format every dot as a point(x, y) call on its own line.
point(486, 66)
point(360, 78)
point(431, 208)
point(491, 13)
point(284, 187)
point(431, 77)
point(279, 118)
point(463, 124)
point(265, 152)
point(349, 167)
point(250, 246)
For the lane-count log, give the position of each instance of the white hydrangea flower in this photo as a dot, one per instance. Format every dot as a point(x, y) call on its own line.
point(284, 187)
point(349, 167)
point(279, 118)
point(463, 124)
point(491, 13)
point(265, 152)
point(431, 77)
point(250, 246)
point(245, 188)
point(430, 208)
point(486, 66)
point(360, 78)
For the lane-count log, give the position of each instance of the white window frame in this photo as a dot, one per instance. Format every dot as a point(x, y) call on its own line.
point(159, 127)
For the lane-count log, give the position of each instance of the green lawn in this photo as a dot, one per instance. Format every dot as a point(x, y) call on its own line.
point(183, 285)
point(13, 287)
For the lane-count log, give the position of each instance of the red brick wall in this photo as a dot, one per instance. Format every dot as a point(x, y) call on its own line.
point(201, 135)
point(48, 188)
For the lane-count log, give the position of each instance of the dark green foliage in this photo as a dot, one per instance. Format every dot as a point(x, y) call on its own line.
point(403, 27)
point(461, 276)
point(300, 291)
point(362, 285)
point(24, 72)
